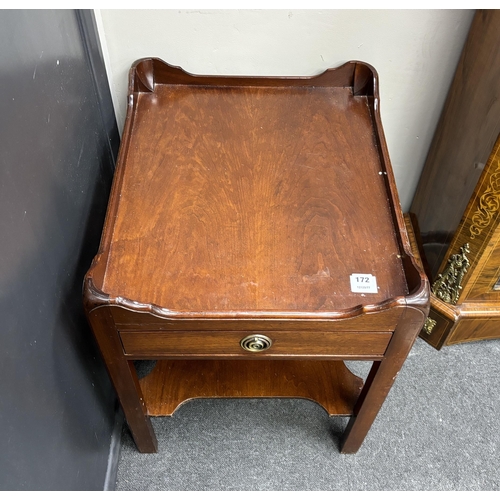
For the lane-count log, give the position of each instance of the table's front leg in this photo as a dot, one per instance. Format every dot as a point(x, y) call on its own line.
point(124, 378)
point(381, 378)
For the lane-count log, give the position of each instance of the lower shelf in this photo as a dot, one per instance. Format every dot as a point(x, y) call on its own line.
point(173, 382)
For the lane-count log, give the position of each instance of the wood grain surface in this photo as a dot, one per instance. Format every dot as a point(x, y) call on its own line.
point(252, 198)
point(329, 383)
point(468, 330)
point(342, 345)
point(383, 319)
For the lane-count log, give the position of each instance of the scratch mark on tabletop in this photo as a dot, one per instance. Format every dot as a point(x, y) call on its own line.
point(36, 66)
point(323, 272)
point(80, 155)
point(313, 278)
point(251, 283)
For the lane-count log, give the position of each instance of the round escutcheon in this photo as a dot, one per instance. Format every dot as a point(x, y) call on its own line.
point(256, 343)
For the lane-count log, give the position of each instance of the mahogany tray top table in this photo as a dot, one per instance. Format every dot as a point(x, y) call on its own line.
point(253, 242)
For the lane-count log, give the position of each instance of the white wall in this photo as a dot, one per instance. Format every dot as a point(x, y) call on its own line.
point(414, 51)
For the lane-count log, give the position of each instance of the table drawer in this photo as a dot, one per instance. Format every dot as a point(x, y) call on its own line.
point(229, 344)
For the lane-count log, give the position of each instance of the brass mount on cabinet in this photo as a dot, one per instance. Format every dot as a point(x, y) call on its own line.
point(447, 285)
point(429, 325)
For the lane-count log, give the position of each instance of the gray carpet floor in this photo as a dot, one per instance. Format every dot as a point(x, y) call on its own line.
point(439, 429)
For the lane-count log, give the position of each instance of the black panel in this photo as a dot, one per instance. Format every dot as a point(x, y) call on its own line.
point(58, 143)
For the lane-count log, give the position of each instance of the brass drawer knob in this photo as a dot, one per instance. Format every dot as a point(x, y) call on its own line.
point(256, 343)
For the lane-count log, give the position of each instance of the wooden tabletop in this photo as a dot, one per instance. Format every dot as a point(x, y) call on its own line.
point(251, 198)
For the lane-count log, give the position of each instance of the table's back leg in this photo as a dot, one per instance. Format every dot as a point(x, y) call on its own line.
point(381, 378)
point(124, 378)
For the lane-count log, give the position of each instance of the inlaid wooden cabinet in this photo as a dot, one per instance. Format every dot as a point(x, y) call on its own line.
point(456, 209)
